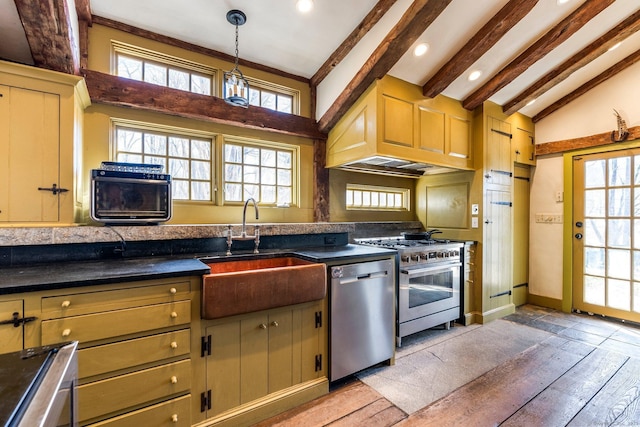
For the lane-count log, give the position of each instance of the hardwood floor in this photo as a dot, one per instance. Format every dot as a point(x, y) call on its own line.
point(586, 372)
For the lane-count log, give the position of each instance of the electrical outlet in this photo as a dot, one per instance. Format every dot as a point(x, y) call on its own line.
point(474, 222)
point(548, 218)
point(475, 209)
point(559, 196)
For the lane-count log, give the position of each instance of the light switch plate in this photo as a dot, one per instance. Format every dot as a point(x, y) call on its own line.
point(474, 209)
point(474, 222)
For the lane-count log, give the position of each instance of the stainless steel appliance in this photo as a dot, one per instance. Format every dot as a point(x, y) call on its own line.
point(130, 193)
point(362, 316)
point(429, 281)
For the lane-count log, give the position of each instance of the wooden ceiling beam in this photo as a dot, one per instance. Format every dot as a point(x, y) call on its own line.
point(113, 90)
point(557, 147)
point(545, 44)
point(47, 25)
point(577, 61)
point(413, 23)
point(356, 35)
point(605, 75)
point(478, 45)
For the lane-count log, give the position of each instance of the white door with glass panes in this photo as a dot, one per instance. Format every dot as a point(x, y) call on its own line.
point(606, 234)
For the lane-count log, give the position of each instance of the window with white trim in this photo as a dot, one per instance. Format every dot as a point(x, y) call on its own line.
point(266, 172)
point(274, 97)
point(374, 198)
point(188, 158)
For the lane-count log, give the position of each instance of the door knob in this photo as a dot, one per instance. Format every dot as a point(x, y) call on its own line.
point(579, 224)
point(578, 236)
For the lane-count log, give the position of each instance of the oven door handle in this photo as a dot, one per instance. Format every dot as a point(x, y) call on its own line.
point(431, 269)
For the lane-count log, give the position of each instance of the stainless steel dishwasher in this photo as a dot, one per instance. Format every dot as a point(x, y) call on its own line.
point(362, 316)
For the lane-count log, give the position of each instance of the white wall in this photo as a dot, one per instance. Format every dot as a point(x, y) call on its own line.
point(590, 114)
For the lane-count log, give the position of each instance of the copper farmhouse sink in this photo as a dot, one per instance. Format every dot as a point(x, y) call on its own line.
point(244, 286)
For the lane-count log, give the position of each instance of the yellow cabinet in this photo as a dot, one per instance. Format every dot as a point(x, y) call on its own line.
point(523, 143)
point(498, 166)
point(255, 355)
point(11, 332)
point(393, 120)
point(40, 118)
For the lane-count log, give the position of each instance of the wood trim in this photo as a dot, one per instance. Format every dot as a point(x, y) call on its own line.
point(321, 182)
point(413, 23)
point(352, 40)
point(545, 44)
point(605, 75)
point(113, 90)
point(191, 47)
point(478, 45)
point(83, 9)
point(47, 25)
point(623, 30)
point(556, 147)
point(83, 27)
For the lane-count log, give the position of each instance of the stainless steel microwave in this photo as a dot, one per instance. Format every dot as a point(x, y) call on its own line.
point(126, 197)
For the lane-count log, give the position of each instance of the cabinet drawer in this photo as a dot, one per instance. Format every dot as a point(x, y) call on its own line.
point(109, 324)
point(174, 413)
point(124, 354)
point(126, 391)
point(92, 302)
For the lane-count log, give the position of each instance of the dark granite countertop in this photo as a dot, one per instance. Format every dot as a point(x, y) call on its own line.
point(58, 275)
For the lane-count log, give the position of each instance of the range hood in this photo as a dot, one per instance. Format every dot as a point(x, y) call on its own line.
point(382, 165)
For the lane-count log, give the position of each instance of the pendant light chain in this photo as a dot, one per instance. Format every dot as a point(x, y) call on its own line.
point(237, 51)
point(236, 87)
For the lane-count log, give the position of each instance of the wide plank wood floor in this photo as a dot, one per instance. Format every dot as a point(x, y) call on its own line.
point(587, 373)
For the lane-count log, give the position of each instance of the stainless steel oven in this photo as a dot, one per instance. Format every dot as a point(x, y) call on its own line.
point(130, 193)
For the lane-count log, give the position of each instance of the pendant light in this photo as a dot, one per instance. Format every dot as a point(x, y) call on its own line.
point(236, 87)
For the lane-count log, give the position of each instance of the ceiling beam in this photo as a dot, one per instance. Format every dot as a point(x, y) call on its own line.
point(356, 35)
point(478, 45)
point(598, 140)
point(545, 44)
point(47, 25)
point(150, 35)
point(577, 61)
point(113, 90)
point(605, 75)
point(413, 23)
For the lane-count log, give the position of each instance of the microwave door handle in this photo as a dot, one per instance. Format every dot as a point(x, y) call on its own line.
point(430, 269)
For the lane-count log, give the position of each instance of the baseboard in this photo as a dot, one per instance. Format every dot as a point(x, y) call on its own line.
point(547, 302)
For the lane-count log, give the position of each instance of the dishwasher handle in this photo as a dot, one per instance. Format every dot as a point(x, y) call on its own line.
point(337, 273)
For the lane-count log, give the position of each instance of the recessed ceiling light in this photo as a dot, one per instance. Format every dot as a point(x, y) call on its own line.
point(421, 49)
point(475, 75)
point(615, 46)
point(561, 2)
point(304, 6)
point(531, 102)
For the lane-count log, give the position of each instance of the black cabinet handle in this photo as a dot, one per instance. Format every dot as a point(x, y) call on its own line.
point(54, 189)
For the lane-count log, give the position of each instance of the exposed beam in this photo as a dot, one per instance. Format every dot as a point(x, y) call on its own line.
point(150, 35)
point(545, 44)
point(113, 90)
point(83, 9)
point(321, 182)
point(47, 25)
point(605, 75)
point(577, 61)
point(563, 146)
point(478, 45)
point(356, 35)
point(413, 23)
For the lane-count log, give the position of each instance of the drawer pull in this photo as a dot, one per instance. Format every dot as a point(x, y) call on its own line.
point(173, 291)
point(174, 418)
point(263, 326)
point(66, 332)
point(274, 324)
point(174, 380)
point(174, 314)
point(174, 344)
point(65, 304)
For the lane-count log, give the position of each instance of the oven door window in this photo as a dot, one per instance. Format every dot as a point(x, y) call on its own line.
point(428, 288)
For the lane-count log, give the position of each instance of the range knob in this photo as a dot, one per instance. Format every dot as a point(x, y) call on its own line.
point(405, 258)
point(441, 254)
point(415, 257)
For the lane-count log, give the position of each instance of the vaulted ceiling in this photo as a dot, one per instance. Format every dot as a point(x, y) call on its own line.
point(547, 50)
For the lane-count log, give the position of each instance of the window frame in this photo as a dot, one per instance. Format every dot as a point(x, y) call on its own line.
point(405, 193)
point(263, 85)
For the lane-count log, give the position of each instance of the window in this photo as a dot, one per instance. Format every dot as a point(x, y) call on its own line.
point(266, 172)
point(187, 158)
point(369, 197)
point(273, 97)
point(151, 67)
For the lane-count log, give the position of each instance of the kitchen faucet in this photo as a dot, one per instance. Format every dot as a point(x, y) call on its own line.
point(243, 234)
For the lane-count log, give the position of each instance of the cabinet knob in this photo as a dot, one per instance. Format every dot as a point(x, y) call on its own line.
point(174, 344)
point(174, 314)
point(65, 304)
point(174, 418)
point(274, 324)
point(173, 291)
point(174, 380)
point(263, 326)
point(66, 332)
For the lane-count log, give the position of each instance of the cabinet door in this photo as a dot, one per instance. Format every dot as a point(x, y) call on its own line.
point(524, 147)
point(280, 349)
point(223, 367)
point(498, 165)
point(497, 262)
point(29, 135)
point(10, 336)
point(254, 361)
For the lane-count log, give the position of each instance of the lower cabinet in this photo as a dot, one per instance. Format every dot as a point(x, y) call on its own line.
point(11, 329)
point(257, 355)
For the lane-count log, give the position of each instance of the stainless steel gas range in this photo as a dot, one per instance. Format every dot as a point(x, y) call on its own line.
point(428, 283)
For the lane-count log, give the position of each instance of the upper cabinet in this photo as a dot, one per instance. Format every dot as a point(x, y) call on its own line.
point(40, 130)
point(393, 119)
point(523, 142)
